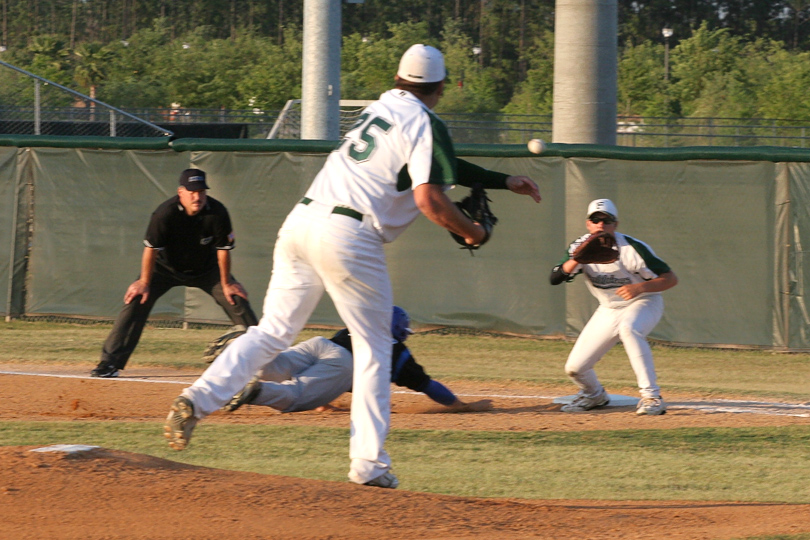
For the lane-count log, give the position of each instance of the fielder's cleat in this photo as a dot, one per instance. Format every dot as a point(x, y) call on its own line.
point(651, 406)
point(584, 403)
point(387, 480)
point(245, 396)
point(104, 371)
point(180, 423)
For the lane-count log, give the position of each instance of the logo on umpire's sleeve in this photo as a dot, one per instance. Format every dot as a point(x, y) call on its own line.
point(207, 240)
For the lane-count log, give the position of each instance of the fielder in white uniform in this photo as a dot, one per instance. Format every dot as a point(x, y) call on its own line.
point(630, 305)
point(396, 162)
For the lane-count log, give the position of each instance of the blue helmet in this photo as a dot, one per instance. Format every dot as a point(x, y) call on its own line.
point(399, 324)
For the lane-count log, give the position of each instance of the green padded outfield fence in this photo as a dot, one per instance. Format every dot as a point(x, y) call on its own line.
point(732, 223)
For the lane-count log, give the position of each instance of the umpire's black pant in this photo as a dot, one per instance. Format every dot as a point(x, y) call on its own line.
point(126, 331)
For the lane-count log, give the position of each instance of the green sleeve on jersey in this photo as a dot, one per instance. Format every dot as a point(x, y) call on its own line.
point(470, 173)
point(443, 162)
point(443, 166)
point(653, 263)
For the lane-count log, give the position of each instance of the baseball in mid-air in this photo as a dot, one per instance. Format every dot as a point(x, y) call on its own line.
point(537, 146)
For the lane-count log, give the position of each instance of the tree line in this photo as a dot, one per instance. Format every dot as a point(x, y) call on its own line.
point(730, 58)
point(496, 25)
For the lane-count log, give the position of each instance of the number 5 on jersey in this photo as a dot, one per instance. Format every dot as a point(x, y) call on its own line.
point(358, 151)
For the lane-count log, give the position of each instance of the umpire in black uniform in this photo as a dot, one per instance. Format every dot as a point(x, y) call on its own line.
point(188, 243)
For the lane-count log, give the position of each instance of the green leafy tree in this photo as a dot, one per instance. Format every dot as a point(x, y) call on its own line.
point(535, 94)
point(369, 63)
point(784, 94)
point(733, 91)
point(134, 76)
point(469, 87)
point(696, 59)
point(643, 21)
point(275, 78)
point(798, 13)
point(91, 67)
point(642, 86)
point(201, 72)
point(51, 58)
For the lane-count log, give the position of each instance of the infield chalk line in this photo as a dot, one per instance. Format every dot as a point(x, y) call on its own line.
point(719, 405)
point(126, 379)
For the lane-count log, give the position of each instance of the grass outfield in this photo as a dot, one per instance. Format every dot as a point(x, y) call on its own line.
point(716, 464)
point(730, 373)
point(732, 464)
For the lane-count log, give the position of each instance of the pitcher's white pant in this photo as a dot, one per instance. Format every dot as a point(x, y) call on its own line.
point(308, 375)
point(608, 326)
point(317, 250)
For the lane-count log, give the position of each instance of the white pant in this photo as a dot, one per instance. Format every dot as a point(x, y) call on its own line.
point(319, 251)
point(308, 375)
point(608, 326)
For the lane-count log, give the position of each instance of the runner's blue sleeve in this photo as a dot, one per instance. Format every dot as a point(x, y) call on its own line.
point(438, 392)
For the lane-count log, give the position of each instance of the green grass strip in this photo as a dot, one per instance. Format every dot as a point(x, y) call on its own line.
point(745, 464)
point(756, 375)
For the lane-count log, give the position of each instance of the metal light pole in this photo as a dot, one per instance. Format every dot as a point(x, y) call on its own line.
point(320, 77)
point(667, 33)
point(585, 71)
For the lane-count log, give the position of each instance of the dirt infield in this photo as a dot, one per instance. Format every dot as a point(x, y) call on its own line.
point(108, 494)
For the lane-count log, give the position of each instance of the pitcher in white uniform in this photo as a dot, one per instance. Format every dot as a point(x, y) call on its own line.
point(630, 305)
point(396, 162)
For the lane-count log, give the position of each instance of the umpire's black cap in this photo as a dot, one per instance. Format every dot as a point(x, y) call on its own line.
point(193, 180)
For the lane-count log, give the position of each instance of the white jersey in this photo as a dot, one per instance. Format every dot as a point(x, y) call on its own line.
point(637, 262)
point(396, 145)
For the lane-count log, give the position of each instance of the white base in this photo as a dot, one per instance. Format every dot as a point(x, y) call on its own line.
point(66, 448)
point(616, 400)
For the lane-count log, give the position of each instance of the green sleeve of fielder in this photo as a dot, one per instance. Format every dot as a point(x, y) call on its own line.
point(447, 169)
point(469, 174)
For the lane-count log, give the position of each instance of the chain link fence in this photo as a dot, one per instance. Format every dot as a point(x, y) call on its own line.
point(481, 128)
point(32, 105)
point(651, 132)
point(711, 131)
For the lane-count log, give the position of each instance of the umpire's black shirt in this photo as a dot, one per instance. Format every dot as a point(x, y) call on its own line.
point(188, 244)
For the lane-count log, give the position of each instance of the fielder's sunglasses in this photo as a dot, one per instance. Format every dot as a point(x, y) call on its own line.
point(599, 219)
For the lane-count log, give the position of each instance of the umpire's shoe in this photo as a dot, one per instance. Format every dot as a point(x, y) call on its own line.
point(180, 423)
point(247, 395)
point(105, 371)
point(387, 480)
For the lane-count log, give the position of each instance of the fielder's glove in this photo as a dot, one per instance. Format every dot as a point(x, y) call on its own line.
point(476, 207)
point(216, 347)
point(598, 248)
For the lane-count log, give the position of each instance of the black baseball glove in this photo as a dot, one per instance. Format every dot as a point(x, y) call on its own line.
point(598, 248)
point(216, 347)
point(476, 207)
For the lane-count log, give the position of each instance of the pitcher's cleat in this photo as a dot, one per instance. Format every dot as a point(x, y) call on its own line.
point(387, 480)
point(180, 423)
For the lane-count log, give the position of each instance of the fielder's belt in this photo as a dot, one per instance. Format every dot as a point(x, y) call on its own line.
point(342, 210)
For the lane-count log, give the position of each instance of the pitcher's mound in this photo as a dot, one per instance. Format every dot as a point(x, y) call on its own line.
point(95, 493)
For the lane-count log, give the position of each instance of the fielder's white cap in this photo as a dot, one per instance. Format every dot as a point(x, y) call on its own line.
point(605, 206)
point(422, 64)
